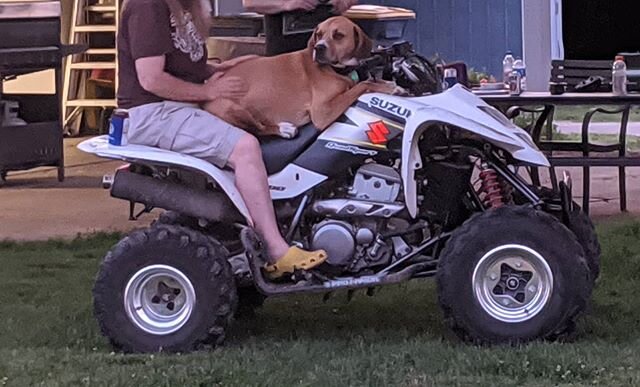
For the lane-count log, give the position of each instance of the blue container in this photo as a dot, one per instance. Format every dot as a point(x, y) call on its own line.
point(117, 136)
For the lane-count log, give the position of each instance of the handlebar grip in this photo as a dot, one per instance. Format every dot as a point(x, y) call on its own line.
point(374, 61)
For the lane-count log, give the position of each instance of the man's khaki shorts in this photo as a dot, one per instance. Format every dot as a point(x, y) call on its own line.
point(183, 128)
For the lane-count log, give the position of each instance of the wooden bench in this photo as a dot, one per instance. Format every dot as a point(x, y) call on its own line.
point(572, 72)
point(583, 153)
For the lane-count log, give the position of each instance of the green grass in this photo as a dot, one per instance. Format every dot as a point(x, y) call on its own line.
point(48, 336)
point(576, 114)
point(633, 142)
point(573, 113)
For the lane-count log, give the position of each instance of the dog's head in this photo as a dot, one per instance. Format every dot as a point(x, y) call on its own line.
point(339, 42)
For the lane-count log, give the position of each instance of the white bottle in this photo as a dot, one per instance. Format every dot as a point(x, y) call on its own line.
point(521, 68)
point(507, 67)
point(619, 76)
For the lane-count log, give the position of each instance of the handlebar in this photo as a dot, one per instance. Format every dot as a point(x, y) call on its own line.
point(400, 63)
point(384, 56)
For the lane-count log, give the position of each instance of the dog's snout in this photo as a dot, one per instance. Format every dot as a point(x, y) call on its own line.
point(320, 52)
point(321, 48)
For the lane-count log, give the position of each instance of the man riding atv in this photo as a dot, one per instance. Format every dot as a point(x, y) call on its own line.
point(163, 77)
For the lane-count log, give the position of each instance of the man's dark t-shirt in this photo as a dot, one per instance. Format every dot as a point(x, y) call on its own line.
point(148, 29)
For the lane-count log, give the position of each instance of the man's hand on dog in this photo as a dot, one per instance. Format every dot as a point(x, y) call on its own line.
point(230, 87)
point(224, 66)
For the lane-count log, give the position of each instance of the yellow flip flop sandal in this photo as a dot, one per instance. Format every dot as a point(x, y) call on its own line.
point(295, 259)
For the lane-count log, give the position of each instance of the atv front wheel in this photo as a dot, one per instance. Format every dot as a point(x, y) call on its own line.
point(513, 275)
point(581, 225)
point(578, 222)
point(166, 288)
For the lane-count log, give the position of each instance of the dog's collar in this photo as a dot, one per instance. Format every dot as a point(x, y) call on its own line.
point(349, 72)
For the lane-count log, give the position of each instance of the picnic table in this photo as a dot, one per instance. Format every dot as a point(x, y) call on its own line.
point(589, 153)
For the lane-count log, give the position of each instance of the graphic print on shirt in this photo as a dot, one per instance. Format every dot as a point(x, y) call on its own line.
point(186, 37)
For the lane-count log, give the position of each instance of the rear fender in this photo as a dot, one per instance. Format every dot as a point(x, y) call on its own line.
point(100, 147)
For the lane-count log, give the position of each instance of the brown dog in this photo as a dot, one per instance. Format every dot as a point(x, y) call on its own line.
point(290, 90)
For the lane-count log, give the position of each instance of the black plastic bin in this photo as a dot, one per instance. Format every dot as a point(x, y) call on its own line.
point(385, 25)
point(237, 25)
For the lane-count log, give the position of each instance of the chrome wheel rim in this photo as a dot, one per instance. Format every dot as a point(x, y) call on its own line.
point(512, 283)
point(159, 299)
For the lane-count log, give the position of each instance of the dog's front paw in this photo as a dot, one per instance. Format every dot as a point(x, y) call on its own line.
point(383, 87)
point(400, 91)
point(287, 130)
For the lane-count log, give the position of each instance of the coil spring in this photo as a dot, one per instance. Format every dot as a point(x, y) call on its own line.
point(491, 187)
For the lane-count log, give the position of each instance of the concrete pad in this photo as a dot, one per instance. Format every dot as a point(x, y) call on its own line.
point(604, 198)
point(35, 206)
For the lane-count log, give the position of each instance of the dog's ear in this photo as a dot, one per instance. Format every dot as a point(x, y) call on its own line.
point(362, 43)
point(313, 40)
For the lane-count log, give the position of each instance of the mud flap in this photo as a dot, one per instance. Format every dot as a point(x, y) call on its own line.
point(566, 197)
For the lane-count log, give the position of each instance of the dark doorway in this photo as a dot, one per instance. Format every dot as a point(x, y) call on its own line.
point(599, 29)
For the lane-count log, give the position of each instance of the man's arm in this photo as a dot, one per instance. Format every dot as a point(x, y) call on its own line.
point(269, 7)
point(154, 79)
point(342, 6)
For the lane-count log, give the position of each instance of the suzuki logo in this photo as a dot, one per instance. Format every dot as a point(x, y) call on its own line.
point(378, 133)
point(390, 107)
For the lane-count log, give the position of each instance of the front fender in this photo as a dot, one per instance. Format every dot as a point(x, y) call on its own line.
point(513, 140)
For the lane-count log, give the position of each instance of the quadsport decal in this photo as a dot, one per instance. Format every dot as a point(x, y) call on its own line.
point(350, 149)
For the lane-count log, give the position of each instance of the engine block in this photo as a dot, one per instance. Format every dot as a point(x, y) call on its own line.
point(377, 183)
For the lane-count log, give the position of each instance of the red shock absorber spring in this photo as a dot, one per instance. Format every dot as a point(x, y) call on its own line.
point(493, 194)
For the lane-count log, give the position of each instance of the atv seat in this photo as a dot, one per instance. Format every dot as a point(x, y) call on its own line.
point(278, 152)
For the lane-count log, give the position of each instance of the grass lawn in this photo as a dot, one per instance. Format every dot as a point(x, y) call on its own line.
point(633, 142)
point(576, 114)
point(48, 336)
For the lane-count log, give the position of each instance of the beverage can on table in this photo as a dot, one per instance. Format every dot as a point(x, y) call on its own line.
point(514, 83)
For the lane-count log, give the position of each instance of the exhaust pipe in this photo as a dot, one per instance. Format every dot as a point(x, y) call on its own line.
point(197, 203)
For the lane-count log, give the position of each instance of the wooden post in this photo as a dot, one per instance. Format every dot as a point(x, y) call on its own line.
point(541, 40)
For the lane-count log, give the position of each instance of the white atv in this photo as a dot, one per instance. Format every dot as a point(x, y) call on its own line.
point(398, 188)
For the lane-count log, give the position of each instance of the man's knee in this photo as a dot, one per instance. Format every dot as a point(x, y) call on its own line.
point(246, 151)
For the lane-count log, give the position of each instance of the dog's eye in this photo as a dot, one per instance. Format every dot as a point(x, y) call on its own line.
point(318, 34)
point(337, 35)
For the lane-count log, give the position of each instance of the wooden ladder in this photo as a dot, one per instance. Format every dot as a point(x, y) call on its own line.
point(79, 68)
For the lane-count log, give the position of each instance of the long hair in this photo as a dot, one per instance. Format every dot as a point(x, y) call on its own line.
point(200, 11)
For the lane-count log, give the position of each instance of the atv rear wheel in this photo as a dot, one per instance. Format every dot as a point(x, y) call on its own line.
point(249, 298)
point(166, 288)
point(513, 275)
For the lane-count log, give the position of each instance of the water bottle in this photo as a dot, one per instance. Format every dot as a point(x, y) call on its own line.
point(521, 68)
point(507, 67)
point(619, 76)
